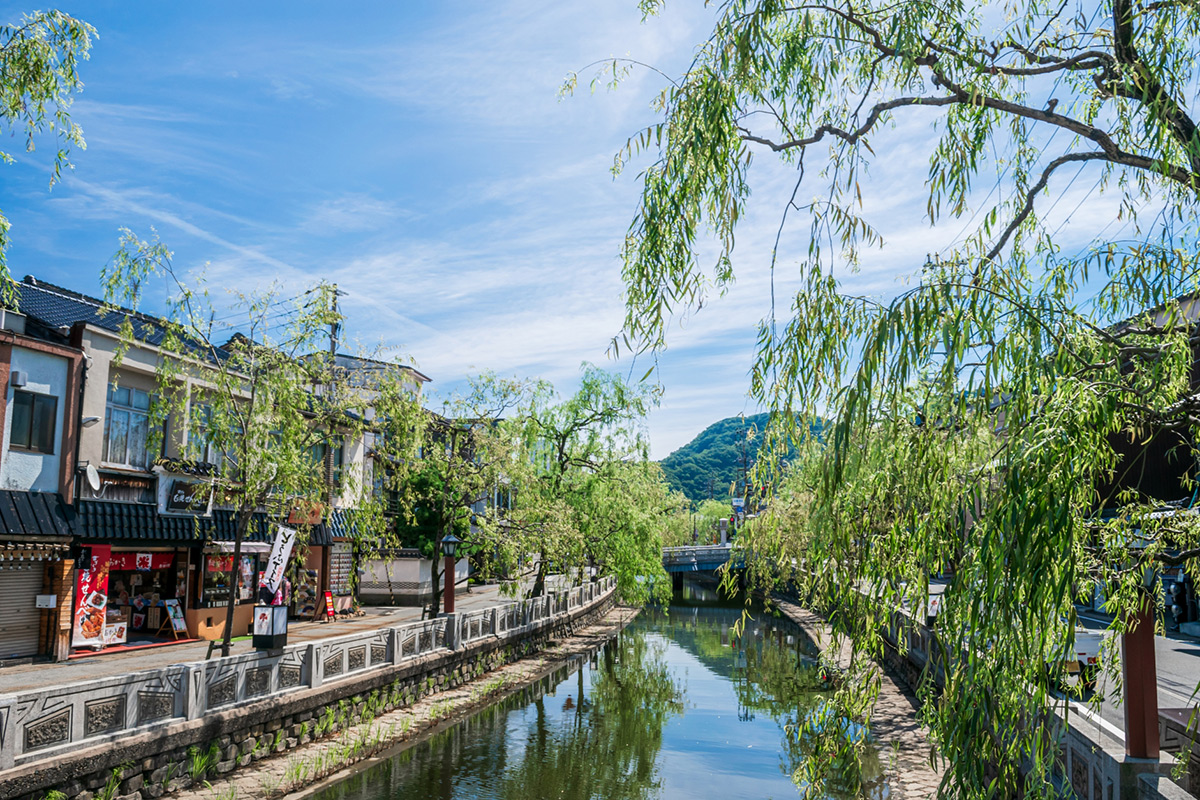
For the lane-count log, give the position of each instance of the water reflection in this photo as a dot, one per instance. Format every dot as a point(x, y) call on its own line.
point(677, 706)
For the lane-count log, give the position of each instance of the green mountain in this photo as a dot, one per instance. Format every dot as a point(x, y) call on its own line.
point(715, 457)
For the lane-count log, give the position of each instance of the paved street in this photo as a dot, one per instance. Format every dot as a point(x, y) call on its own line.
point(32, 676)
point(1178, 662)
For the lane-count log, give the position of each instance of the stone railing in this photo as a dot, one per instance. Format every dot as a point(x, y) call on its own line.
point(1092, 756)
point(43, 723)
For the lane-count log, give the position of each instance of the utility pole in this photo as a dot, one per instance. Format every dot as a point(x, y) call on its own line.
point(330, 434)
point(742, 431)
point(334, 330)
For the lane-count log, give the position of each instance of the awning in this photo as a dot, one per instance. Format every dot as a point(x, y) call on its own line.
point(37, 517)
point(126, 523)
point(247, 547)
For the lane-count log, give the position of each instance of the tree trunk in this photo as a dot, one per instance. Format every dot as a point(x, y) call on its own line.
point(435, 573)
point(244, 515)
point(539, 582)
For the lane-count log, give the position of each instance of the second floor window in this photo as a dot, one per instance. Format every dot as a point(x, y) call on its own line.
point(201, 446)
point(127, 427)
point(33, 422)
point(317, 454)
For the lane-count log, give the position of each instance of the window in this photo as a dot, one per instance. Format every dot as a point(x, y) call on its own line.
point(33, 422)
point(317, 453)
point(201, 446)
point(127, 427)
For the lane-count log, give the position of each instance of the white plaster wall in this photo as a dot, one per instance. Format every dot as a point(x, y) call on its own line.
point(21, 470)
point(409, 576)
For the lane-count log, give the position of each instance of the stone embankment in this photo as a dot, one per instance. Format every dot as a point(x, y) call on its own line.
point(904, 748)
point(219, 716)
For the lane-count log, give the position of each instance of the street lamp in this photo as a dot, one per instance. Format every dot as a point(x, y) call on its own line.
point(450, 544)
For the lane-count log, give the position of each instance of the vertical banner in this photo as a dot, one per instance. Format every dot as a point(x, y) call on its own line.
point(281, 551)
point(91, 599)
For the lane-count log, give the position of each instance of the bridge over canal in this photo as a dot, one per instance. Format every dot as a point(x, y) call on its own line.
point(708, 558)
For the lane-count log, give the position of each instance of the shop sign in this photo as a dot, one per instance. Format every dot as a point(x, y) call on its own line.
point(270, 627)
point(281, 551)
point(91, 599)
point(143, 562)
point(175, 614)
point(220, 563)
point(188, 497)
point(305, 513)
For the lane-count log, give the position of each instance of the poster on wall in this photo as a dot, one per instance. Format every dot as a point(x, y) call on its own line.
point(91, 599)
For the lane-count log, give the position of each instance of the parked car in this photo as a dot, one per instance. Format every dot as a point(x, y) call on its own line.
point(1084, 660)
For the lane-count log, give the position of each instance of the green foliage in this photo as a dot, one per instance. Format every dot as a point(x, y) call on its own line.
point(976, 413)
point(586, 493)
point(709, 464)
point(705, 467)
point(464, 459)
point(39, 61)
point(264, 401)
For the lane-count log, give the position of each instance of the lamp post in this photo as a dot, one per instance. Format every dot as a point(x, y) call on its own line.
point(450, 544)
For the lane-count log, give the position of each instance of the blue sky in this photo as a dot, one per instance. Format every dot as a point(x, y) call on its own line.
point(416, 154)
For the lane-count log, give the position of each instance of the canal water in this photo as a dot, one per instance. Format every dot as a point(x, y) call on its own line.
point(679, 705)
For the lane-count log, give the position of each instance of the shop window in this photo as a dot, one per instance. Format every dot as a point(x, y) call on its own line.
point(218, 578)
point(127, 427)
point(33, 422)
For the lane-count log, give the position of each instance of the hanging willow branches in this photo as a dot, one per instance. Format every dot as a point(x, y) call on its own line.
point(995, 420)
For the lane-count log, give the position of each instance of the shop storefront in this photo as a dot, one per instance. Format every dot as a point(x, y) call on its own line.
point(174, 559)
point(208, 617)
point(35, 537)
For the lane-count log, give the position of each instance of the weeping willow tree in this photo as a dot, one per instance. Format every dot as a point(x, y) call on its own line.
point(984, 417)
point(261, 406)
point(39, 73)
point(587, 496)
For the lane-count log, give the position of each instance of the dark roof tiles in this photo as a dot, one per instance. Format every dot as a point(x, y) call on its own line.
point(36, 514)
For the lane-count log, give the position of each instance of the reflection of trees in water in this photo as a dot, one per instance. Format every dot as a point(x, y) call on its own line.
point(605, 744)
point(824, 750)
point(602, 735)
point(602, 740)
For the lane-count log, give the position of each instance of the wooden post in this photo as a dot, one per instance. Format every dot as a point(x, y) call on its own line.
point(1141, 685)
point(448, 603)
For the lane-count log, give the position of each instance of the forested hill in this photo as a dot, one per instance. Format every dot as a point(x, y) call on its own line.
point(716, 455)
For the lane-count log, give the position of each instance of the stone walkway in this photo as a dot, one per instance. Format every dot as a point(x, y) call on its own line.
point(103, 665)
point(904, 749)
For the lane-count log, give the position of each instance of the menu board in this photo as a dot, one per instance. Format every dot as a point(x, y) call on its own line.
point(341, 561)
point(91, 599)
point(175, 613)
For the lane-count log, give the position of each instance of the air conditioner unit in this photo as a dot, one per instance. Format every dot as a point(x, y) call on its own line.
point(18, 378)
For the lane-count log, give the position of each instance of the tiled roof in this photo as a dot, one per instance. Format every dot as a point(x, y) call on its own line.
point(107, 519)
point(341, 523)
point(36, 514)
point(117, 521)
point(57, 306)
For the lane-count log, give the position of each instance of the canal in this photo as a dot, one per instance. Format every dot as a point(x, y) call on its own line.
point(678, 705)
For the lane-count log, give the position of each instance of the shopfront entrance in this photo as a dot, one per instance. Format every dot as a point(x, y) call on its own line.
point(20, 618)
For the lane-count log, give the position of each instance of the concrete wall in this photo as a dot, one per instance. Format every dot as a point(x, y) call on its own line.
point(137, 370)
point(71, 737)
